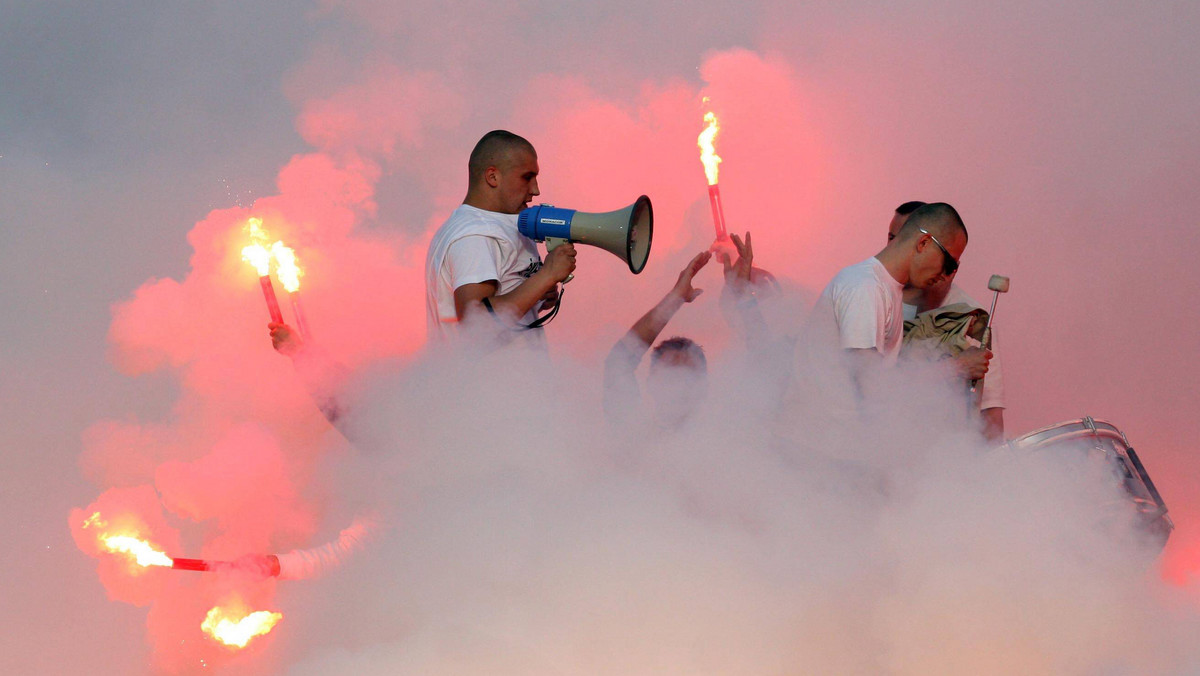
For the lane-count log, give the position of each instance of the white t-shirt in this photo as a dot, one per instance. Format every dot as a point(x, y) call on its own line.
point(866, 303)
point(993, 382)
point(471, 247)
point(859, 309)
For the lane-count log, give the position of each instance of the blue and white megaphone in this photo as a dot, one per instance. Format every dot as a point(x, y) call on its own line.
point(625, 232)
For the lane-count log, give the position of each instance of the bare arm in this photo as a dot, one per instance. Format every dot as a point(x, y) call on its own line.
point(621, 393)
point(738, 302)
point(993, 424)
point(538, 288)
point(863, 363)
point(653, 322)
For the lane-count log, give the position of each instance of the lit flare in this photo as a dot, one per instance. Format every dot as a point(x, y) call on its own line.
point(286, 268)
point(235, 628)
point(711, 161)
point(259, 256)
point(289, 273)
point(708, 147)
point(139, 550)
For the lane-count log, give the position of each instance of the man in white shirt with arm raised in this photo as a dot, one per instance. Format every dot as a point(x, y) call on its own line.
point(478, 262)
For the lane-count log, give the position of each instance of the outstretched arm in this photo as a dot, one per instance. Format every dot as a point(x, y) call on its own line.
point(620, 385)
point(653, 322)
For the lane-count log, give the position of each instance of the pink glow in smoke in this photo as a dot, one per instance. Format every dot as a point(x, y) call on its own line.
point(814, 195)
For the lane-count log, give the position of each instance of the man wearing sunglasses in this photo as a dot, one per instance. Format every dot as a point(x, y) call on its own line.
point(861, 310)
point(973, 363)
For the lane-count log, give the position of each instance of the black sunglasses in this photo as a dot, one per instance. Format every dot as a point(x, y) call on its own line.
point(949, 265)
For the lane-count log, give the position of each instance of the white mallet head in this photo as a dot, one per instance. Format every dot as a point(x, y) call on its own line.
point(998, 284)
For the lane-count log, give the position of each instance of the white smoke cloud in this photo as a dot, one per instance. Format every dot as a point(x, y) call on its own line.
point(529, 535)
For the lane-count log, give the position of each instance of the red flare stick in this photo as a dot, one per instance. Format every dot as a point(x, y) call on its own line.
point(196, 564)
point(272, 301)
point(200, 565)
point(298, 312)
point(718, 214)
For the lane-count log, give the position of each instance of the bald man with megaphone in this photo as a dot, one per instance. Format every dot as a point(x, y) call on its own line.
point(478, 262)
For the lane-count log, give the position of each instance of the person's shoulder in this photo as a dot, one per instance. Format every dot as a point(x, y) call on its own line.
point(862, 272)
point(957, 295)
point(467, 220)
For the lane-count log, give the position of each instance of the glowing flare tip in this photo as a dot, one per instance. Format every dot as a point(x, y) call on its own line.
point(142, 551)
point(708, 147)
point(287, 269)
point(257, 254)
point(221, 625)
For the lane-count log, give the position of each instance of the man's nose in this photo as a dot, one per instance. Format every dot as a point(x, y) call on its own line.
point(533, 188)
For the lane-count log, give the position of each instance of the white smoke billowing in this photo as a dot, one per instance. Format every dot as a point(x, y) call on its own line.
point(529, 535)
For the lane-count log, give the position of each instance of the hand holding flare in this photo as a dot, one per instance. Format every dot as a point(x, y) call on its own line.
point(260, 255)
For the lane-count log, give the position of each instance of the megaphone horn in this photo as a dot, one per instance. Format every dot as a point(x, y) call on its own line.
point(625, 233)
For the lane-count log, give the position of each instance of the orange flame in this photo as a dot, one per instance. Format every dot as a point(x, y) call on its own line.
point(237, 633)
point(708, 147)
point(287, 269)
point(144, 553)
point(257, 254)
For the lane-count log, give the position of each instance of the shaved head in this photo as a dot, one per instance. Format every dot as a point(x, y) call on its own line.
point(939, 219)
point(495, 149)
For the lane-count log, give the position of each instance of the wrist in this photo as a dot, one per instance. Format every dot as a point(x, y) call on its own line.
point(674, 299)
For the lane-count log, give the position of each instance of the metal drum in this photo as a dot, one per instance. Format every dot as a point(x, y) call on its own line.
point(1105, 440)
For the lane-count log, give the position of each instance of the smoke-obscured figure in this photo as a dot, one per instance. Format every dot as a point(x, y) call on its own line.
point(678, 379)
point(323, 377)
point(479, 263)
point(971, 363)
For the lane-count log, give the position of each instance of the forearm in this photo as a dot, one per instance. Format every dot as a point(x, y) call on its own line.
point(993, 423)
point(325, 380)
point(752, 322)
point(514, 304)
point(653, 322)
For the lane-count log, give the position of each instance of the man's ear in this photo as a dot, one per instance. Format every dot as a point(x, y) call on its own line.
point(492, 176)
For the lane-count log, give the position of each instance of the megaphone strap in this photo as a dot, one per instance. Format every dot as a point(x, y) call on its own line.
point(535, 324)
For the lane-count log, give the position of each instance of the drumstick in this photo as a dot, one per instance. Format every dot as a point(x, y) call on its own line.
point(999, 285)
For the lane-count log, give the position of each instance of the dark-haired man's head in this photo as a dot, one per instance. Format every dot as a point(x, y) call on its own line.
point(936, 237)
point(502, 173)
point(900, 216)
point(678, 379)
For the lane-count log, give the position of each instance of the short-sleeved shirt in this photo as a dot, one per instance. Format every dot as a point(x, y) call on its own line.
point(866, 304)
point(993, 383)
point(471, 247)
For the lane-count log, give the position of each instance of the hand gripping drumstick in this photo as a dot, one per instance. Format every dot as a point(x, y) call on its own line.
point(999, 285)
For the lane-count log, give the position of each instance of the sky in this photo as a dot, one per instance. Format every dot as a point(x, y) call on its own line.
point(136, 137)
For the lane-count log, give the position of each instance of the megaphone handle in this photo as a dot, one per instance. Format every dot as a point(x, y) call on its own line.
point(551, 244)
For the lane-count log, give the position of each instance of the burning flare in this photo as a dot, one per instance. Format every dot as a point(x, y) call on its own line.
point(141, 551)
point(711, 161)
point(236, 629)
point(286, 269)
point(257, 254)
point(708, 147)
